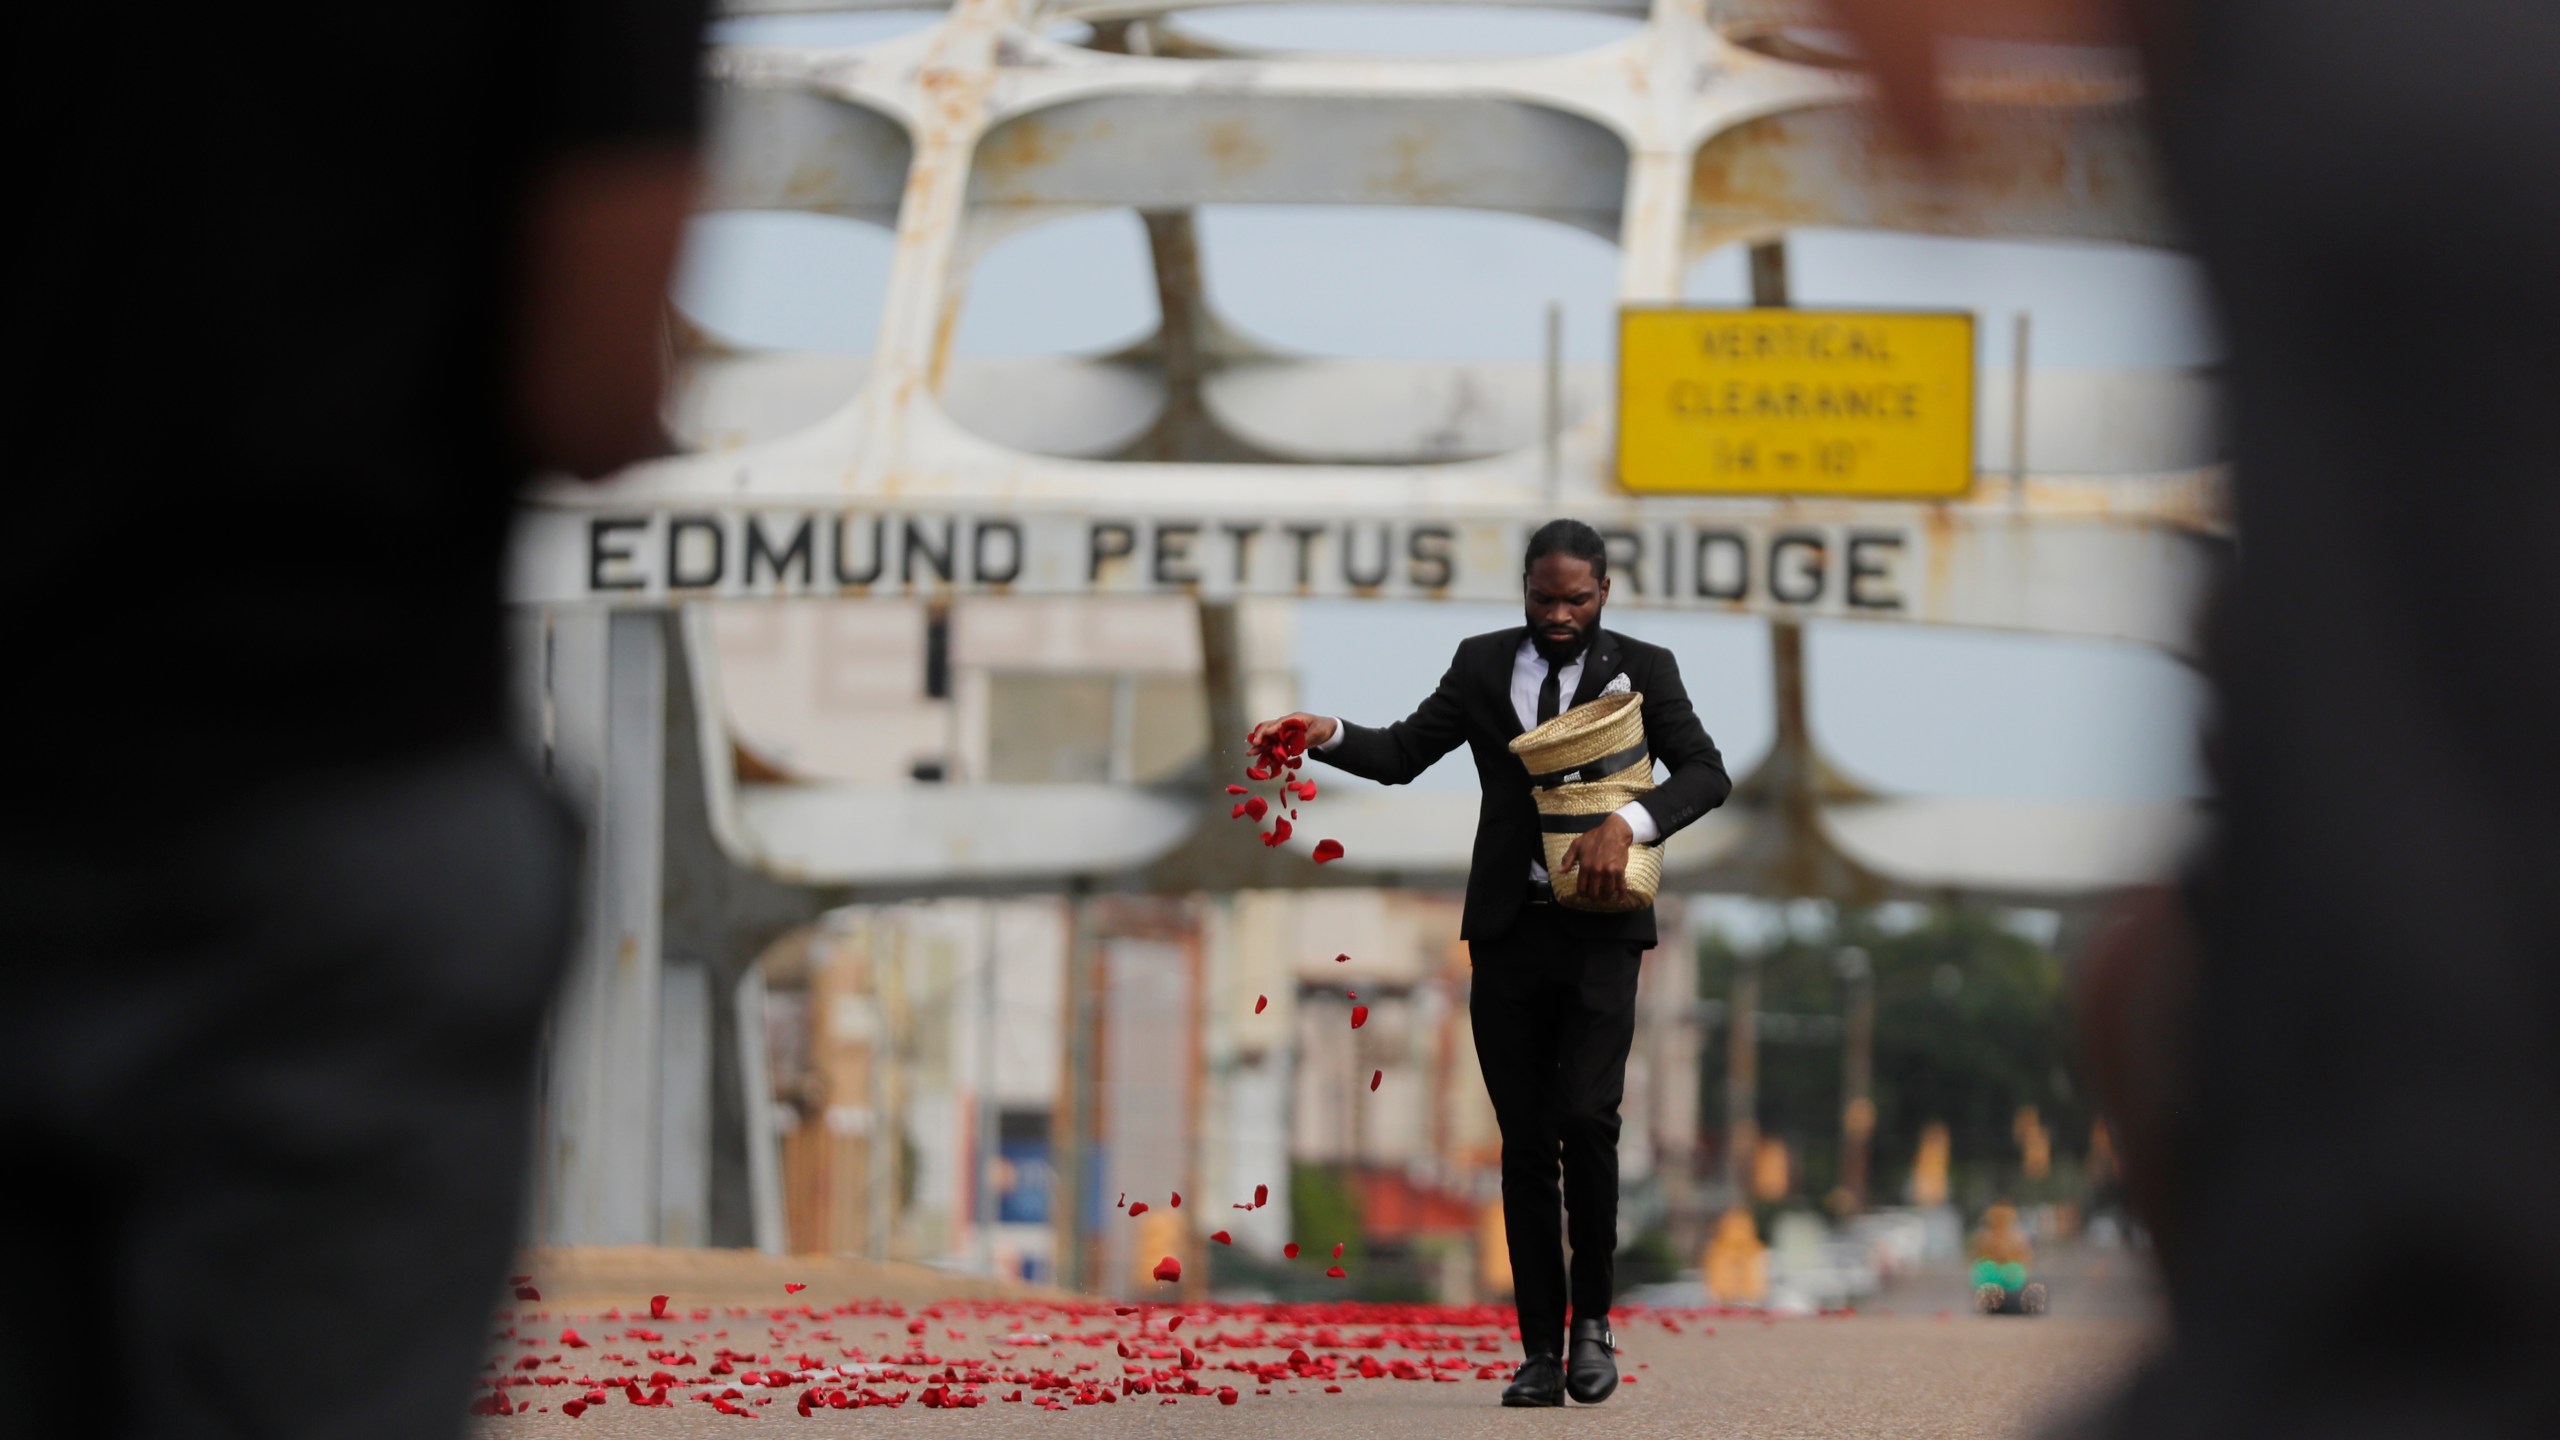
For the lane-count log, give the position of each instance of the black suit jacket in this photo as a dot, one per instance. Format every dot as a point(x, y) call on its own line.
point(1473, 706)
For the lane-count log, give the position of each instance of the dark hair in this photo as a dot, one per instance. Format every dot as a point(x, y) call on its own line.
point(1570, 537)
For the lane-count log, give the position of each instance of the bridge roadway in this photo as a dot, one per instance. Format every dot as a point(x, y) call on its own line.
point(1914, 1364)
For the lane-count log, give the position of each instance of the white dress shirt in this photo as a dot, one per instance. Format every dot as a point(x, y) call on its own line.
point(1528, 673)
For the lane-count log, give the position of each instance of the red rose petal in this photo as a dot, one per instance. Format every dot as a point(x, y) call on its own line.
point(1290, 1249)
point(1375, 1076)
point(1226, 1394)
point(1238, 790)
point(1334, 1272)
point(527, 1292)
point(792, 1287)
point(657, 1307)
point(1177, 1199)
point(1359, 1016)
point(1341, 959)
point(573, 1408)
point(1238, 812)
point(1261, 1196)
point(1328, 850)
point(1261, 1003)
point(1222, 1237)
point(1168, 1269)
point(1257, 807)
point(1137, 1209)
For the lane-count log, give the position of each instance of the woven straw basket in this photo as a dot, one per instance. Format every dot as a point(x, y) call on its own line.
point(1583, 765)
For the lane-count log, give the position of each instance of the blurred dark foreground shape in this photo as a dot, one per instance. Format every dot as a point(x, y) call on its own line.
point(303, 294)
point(2352, 1136)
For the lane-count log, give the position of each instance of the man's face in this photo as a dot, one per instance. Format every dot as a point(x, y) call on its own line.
point(1564, 604)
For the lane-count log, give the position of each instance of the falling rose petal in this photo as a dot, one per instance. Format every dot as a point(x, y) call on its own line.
point(1238, 790)
point(792, 1287)
point(1122, 1203)
point(1290, 1249)
point(1261, 1196)
point(1168, 1269)
point(657, 1307)
point(1359, 1016)
point(1278, 834)
point(1222, 1237)
point(527, 1292)
point(1337, 1248)
point(1335, 1272)
point(1328, 850)
point(1261, 1003)
point(1177, 1199)
point(1350, 994)
point(1341, 959)
point(1257, 807)
point(1238, 812)
point(1306, 790)
point(1137, 1209)
point(1375, 1076)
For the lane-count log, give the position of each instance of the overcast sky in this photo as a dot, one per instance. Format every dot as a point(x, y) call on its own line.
point(1903, 708)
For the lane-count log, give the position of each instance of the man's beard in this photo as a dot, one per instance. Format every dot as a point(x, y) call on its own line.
point(1560, 652)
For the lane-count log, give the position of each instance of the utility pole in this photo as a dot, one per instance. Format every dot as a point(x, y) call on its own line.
point(1857, 1074)
point(1551, 424)
point(1742, 1078)
point(990, 1114)
point(1742, 1052)
point(1076, 1123)
point(2018, 416)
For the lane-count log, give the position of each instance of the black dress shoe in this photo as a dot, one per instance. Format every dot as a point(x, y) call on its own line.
point(1540, 1382)
point(1593, 1371)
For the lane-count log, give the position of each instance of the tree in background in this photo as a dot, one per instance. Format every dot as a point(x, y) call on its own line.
point(1972, 1027)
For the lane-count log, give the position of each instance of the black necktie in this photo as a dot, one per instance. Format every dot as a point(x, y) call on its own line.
point(1547, 694)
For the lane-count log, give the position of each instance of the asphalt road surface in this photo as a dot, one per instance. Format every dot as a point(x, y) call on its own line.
point(1915, 1364)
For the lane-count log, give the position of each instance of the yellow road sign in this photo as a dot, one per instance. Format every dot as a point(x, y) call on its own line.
point(1795, 402)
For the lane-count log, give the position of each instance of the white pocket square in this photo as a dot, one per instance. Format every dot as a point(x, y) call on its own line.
point(1619, 686)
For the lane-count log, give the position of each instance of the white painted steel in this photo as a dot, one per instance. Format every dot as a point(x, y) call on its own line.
point(1689, 134)
point(601, 1106)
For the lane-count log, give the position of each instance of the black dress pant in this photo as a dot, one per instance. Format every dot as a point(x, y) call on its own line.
point(266, 1082)
point(1554, 1013)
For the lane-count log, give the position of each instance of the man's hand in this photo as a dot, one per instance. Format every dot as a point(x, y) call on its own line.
point(601, 231)
point(1319, 729)
point(1598, 858)
point(1899, 41)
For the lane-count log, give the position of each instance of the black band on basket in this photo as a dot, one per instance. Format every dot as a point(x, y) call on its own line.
point(1600, 769)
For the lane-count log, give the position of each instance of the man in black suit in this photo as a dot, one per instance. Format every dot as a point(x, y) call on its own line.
point(1555, 989)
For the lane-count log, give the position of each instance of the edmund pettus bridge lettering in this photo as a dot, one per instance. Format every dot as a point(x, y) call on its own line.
point(1697, 562)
